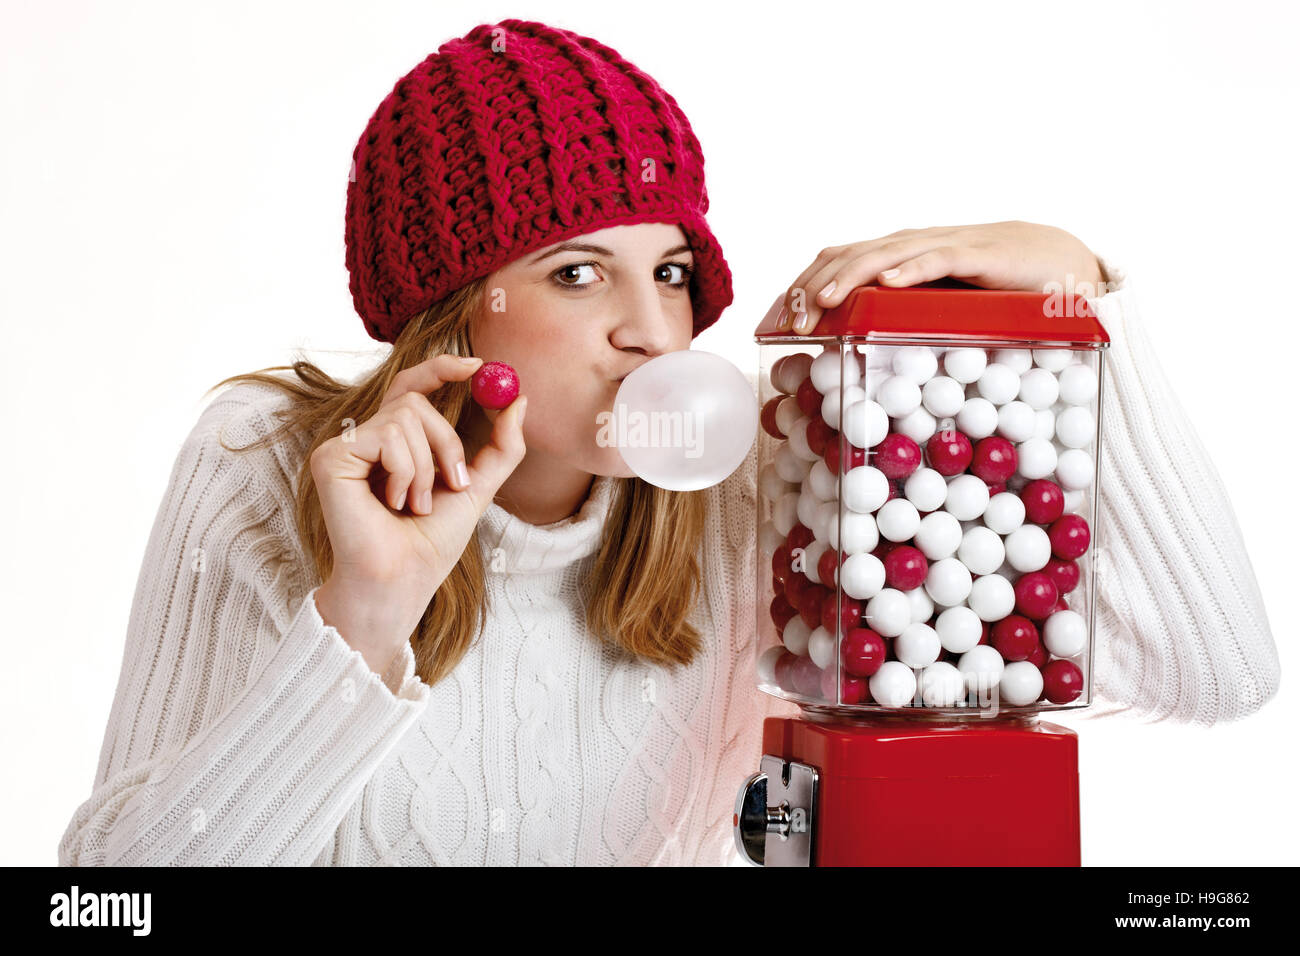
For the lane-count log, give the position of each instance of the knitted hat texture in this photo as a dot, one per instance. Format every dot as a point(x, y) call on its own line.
point(511, 138)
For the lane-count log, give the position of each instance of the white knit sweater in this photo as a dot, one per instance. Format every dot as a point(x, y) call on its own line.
point(246, 731)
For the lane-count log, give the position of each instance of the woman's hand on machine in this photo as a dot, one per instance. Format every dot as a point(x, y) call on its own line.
point(996, 255)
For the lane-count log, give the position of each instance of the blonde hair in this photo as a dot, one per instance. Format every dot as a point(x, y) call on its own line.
point(645, 579)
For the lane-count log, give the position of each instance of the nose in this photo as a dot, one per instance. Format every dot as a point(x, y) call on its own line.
point(648, 321)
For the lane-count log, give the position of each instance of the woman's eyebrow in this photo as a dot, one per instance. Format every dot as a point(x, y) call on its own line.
point(598, 250)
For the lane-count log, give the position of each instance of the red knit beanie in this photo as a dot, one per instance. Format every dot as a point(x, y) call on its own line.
point(516, 136)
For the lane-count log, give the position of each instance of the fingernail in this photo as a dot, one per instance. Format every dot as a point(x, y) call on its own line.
point(889, 273)
point(783, 319)
point(401, 502)
point(426, 501)
point(523, 408)
point(462, 475)
point(805, 324)
point(828, 290)
point(469, 359)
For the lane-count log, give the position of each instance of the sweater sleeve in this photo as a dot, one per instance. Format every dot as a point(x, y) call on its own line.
point(243, 727)
point(1182, 632)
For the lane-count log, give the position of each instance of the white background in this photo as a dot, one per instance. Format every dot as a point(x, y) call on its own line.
point(173, 181)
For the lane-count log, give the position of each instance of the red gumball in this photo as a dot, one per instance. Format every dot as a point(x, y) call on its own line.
point(1038, 657)
point(795, 587)
point(986, 631)
point(850, 613)
point(996, 489)
point(495, 385)
point(810, 604)
point(853, 690)
point(784, 670)
point(897, 456)
point(881, 551)
point(1070, 536)
point(781, 612)
point(905, 568)
point(1015, 638)
point(863, 651)
point(828, 567)
point(800, 536)
point(894, 491)
point(781, 566)
point(1044, 501)
point(809, 399)
point(1035, 595)
point(807, 677)
point(835, 452)
point(767, 418)
point(1064, 573)
point(949, 452)
point(820, 435)
point(1062, 681)
point(994, 459)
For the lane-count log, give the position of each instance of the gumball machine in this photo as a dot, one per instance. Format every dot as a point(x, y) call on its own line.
point(929, 464)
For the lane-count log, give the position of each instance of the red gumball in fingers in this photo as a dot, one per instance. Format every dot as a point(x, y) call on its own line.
point(495, 385)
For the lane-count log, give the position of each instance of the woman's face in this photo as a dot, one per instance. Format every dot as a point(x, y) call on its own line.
point(575, 317)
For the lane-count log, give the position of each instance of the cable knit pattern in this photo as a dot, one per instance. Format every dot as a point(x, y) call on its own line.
point(510, 138)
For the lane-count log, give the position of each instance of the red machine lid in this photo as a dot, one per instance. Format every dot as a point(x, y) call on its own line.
point(947, 309)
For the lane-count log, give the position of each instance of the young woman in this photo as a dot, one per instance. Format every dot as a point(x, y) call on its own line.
point(377, 624)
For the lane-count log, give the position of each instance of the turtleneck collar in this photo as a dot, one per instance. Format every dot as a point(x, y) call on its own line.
point(531, 549)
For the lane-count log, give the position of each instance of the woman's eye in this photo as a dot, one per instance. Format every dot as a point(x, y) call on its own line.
point(684, 271)
point(570, 275)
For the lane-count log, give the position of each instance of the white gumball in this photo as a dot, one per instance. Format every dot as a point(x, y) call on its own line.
point(1036, 458)
point(1044, 423)
point(795, 636)
point(1028, 548)
point(894, 685)
point(922, 604)
point(967, 498)
point(1021, 684)
point(918, 426)
point(857, 531)
point(790, 466)
point(917, 363)
point(926, 489)
point(826, 371)
point(959, 629)
point(821, 647)
point(977, 418)
point(837, 398)
point(1073, 501)
point(785, 512)
point(943, 397)
point(942, 685)
point(865, 424)
point(770, 484)
point(1018, 360)
point(806, 509)
point(789, 372)
point(992, 597)
point(999, 384)
point(799, 441)
point(827, 517)
point(862, 576)
point(1052, 359)
point(787, 413)
point(812, 556)
point(1038, 388)
point(1005, 513)
point(1074, 469)
point(1065, 634)
point(917, 646)
point(939, 535)
point(823, 481)
point(864, 489)
point(897, 519)
point(889, 612)
point(1078, 384)
point(1016, 421)
point(899, 396)
point(948, 581)
point(965, 365)
point(981, 550)
point(982, 667)
point(1075, 427)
